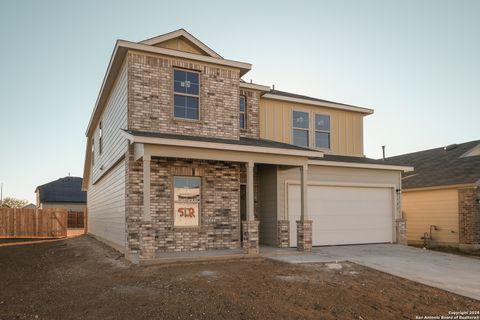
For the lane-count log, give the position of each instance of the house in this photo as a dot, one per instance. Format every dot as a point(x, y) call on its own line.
point(441, 196)
point(183, 155)
point(63, 193)
point(29, 206)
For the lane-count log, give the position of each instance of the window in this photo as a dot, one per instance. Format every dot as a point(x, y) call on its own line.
point(186, 198)
point(100, 136)
point(300, 127)
point(186, 88)
point(242, 112)
point(93, 152)
point(322, 131)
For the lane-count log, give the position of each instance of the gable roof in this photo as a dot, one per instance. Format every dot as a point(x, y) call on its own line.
point(440, 166)
point(68, 189)
point(178, 34)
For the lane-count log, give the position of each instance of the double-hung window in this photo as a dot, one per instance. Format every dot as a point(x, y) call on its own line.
point(300, 128)
point(186, 198)
point(186, 93)
point(243, 107)
point(100, 138)
point(322, 131)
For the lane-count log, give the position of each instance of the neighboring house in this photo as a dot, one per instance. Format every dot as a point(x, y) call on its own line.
point(29, 206)
point(441, 197)
point(63, 193)
point(183, 155)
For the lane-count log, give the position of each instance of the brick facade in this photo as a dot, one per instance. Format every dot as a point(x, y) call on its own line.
point(252, 123)
point(219, 207)
point(469, 216)
point(304, 235)
point(150, 95)
point(283, 233)
point(250, 236)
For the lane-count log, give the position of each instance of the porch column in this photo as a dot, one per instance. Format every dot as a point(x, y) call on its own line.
point(250, 226)
point(147, 231)
point(304, 226)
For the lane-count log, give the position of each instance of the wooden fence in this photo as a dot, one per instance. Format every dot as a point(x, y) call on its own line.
point(33, 223)
point(76, 219)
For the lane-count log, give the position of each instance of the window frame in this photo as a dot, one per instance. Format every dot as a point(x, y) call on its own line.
point(100, 138)
point(186, 94)
point(305, 129)
point(199, 202)
point(242, 113)
point(93, 152)
point(322, 131)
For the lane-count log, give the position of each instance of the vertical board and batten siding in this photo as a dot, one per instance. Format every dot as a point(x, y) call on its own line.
point(346, 127)
point(340, 175)
point(268, 205)
point(106, 203)
point(435, 207)
point(106, 194)
point(114, 118)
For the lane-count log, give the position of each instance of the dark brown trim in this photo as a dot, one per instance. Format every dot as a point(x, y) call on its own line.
point(109, 169)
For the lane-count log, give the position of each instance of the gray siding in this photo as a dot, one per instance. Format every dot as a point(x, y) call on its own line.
point(113, 119)
point(268, 205)
point(333, 175)
point(106, 207)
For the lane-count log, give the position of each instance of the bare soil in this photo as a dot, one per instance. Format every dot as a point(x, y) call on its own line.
point(80, 278)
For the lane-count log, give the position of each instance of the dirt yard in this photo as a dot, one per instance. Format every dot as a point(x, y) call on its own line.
point(80, 278)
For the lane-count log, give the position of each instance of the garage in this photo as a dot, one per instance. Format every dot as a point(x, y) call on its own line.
point(343, 214)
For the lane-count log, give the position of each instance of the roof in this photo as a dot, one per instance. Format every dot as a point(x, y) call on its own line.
point(365, 160)
point(68, 189)
point(440, 166)
point(356, 162)
point(242, 141)
point(299, 96)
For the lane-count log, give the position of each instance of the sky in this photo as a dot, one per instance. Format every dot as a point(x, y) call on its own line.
point(417, 63)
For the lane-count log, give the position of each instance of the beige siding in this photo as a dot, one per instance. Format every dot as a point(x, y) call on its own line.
point(268, 205)
point(435, 207)
point(352, 176)
point(181, 44)
point(346, 126)
point(70, 206)
point(114, 118)
point(106, 207)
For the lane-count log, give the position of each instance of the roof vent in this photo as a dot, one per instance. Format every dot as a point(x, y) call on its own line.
point(450, 147)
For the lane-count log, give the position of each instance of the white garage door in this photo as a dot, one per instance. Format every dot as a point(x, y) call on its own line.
point(344, 215)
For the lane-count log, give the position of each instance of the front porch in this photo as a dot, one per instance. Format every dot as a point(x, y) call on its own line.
point(153, 230)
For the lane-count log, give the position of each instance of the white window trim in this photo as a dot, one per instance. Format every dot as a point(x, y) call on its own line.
point(186, 94)
point(306, 129)
point(323, 131)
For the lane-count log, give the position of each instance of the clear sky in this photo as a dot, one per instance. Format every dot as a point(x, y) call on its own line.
point(417, 63)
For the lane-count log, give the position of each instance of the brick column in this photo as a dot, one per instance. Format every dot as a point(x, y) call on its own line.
point(283, 233)
point(250, 236)
point(401, 231)
point(147, 241)
point(304, 235)
point(469, 219)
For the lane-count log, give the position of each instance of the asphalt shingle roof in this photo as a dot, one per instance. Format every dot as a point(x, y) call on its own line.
point(331, 157)
point(68, 189)
point(299, 96)
point(242, 141)
point(439, 166)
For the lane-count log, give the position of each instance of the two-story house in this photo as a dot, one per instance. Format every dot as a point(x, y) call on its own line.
point(183, 155)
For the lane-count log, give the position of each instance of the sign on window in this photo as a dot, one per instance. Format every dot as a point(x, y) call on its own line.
point(186, 201)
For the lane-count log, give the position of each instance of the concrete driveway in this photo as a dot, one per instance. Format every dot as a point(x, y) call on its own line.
point(454, 273)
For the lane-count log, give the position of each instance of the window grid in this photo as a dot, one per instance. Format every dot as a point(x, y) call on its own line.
point(300, 127)
point(243, 107)
point(322, 130)
point(186, 98)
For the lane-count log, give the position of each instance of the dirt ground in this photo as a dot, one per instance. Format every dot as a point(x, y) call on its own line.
point(80, 278)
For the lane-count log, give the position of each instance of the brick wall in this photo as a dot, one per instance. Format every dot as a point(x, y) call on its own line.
point(252, 129)
point(469, 216)
point(150, 95)
point(219, 208)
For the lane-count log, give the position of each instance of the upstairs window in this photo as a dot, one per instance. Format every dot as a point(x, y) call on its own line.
point(100, 136)
point(186, 89)
point(243, 107)
point(93, 153)
point(322, 131)
point(300, 128)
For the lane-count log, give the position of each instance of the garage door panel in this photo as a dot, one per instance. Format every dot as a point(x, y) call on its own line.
point(343, 214)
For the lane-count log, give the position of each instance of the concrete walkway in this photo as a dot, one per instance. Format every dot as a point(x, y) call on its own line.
point(454, 273)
